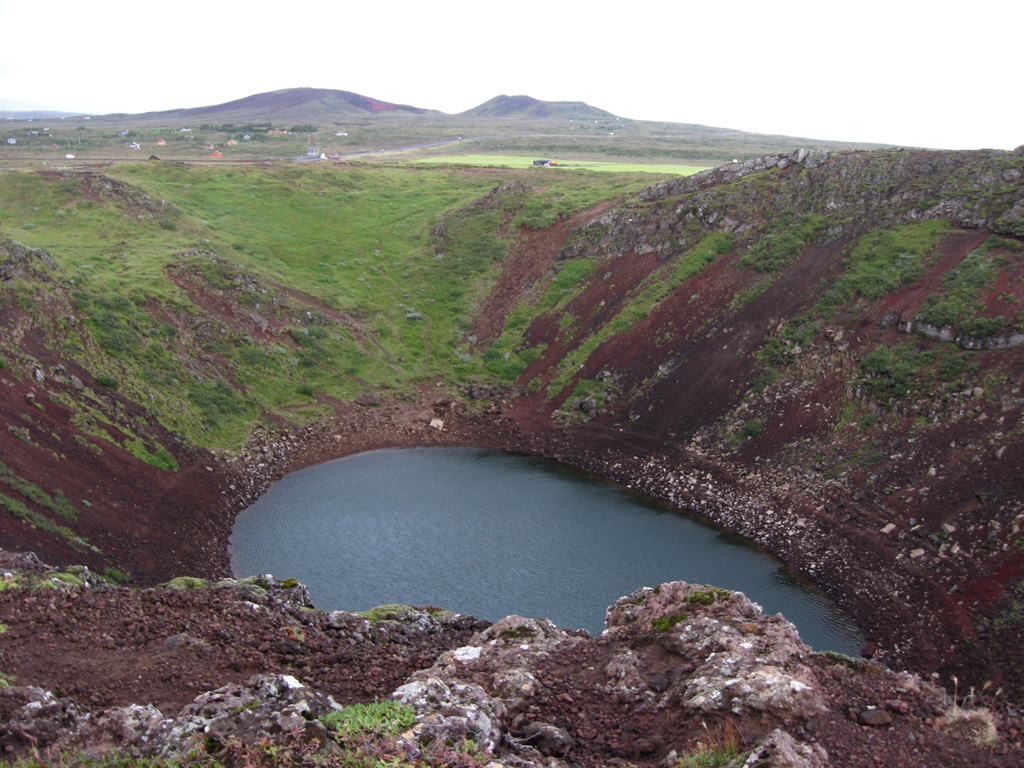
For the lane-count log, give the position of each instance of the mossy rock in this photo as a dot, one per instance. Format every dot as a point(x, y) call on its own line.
point(666, 623)
point(709, 596)
point(62, 579)
point(249, 586)
point(387, 612)
point(186, 582)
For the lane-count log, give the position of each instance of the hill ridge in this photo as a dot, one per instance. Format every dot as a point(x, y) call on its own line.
point(527, 106)
point(287, 103)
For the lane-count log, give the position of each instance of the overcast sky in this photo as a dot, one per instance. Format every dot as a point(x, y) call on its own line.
point(894, 72)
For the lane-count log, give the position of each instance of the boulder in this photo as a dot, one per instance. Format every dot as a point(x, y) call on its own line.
point(737, 660)
point(780, 750)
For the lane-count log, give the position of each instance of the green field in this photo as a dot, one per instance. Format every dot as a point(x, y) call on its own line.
point(513, 161)
point(361, 277)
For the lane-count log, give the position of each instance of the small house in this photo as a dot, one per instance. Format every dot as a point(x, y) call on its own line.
point(216, 154)
point(232, 142)
point(341, 133)
point(135, 145)
point(161, 142)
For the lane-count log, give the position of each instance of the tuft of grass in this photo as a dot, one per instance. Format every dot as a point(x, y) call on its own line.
point(115, 576)
point(380, 719)
point(969, 720)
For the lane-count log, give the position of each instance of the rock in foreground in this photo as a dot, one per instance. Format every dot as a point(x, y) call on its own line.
point(237, 668)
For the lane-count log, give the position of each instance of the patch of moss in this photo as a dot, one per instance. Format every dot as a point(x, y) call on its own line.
point(667, 622)
point(58, 578)
point(517, 633)
point(186, 582)
point(708, 596)
point(386, 612)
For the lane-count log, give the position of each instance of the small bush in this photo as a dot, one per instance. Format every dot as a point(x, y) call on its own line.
point(114, 576)
point(109, 382)
point(753, 428)
point(976, 725)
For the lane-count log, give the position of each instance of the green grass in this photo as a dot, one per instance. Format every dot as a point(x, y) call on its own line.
point(881, 262)
point(57, 502)
point(957, 303)
point(783, 242)
point(381, 718)
point(394, 290)
point(522, 161)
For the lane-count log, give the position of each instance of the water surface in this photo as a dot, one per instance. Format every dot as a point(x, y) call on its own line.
point(489, 533)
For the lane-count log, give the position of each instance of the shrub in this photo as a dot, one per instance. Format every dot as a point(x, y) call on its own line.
point(753, 428)
point(114, 576)
point(214, 399)
point(891, 371)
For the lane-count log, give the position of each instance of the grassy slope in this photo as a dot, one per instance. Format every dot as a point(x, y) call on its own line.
point(388, 298)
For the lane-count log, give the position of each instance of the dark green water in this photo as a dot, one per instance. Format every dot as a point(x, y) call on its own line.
point(490, 534)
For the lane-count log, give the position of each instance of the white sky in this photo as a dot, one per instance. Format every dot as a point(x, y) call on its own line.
point(919, 74)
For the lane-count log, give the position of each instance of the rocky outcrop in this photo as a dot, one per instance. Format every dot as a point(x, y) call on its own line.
point(680, 648)
point(17, 260)
point(857, 191)
point(728, 657)
point(681, 670)
point(266, 707)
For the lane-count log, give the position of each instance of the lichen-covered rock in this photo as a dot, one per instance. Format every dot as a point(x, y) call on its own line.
point(780, 750)
point(735, 659)
point(265, 707)
point(449, 711)
point(37, 719)
point(471, 692)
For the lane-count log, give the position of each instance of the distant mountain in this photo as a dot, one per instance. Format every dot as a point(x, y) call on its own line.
point(19, 109)
point(527, 106)
point(36, 114)
point(287, 104)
